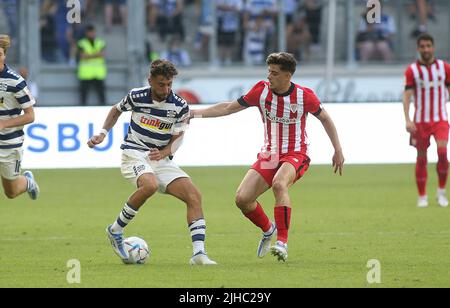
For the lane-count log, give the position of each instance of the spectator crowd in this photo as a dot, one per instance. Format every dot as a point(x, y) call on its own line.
point(247, 30)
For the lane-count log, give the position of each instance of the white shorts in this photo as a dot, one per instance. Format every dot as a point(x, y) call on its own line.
point(10, 162)
point(136, 163)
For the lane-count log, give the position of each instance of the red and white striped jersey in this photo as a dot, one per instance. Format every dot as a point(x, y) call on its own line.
point(284, 116)
point(430, 83)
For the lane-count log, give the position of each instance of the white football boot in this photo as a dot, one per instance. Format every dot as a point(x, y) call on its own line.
point(116, 240)
point(442, 198)
point(32, 186)
point(422, 202)
point(266, 241)
point(201, 259)
point(279, 250)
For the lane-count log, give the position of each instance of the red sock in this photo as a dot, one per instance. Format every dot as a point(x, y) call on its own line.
point(421, 175)
point(442, 167)
point(283, 221)
point(259, 218)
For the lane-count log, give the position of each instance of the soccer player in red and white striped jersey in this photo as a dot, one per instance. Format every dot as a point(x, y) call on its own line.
point(428, 80)
point(284, 107)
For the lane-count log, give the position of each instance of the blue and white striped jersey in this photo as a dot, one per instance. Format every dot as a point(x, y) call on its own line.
point(14, 98)
point(153, 124)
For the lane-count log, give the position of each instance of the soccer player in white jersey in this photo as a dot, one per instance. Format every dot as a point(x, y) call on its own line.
point(428, 80)
point(284, 107)
point(16, 111)
point(158, 120)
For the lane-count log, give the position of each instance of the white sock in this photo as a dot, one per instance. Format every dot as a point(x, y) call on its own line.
point(125, 217)
point(198, 235)
point(28, 183)
point(270, 230)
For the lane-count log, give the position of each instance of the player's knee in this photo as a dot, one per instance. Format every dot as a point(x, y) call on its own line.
point(422, 160)
point(238, 199)
point(422, 155)
point(442, 154)
point(241, 200)
point(279, 187)
point(149, 189)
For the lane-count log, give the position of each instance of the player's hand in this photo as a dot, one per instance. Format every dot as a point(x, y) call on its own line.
point(411, 127)
point(338, 162)
point(95, 140)
point(156, 155)
point(2, 126)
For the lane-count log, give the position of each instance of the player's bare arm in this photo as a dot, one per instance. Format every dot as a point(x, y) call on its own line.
point(26, 118)
point(218, 110)
point(110, 121)
point(169, 150)
point(407, 95)
point(330, 128)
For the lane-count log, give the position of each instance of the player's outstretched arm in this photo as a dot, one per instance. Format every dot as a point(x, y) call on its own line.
point(110, 121)
point(330, 128)
point(24, 119)
point(218, 110)
point(407, 95)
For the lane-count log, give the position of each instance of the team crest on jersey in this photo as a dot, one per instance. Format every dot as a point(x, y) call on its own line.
point(294, 108)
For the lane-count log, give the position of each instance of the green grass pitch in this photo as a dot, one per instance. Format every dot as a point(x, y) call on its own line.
point(338, 225)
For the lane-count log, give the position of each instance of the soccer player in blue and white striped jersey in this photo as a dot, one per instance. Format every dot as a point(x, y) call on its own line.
point(158, 121)
point(16, 111)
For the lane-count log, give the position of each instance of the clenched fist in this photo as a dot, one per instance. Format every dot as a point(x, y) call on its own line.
point(96, 140)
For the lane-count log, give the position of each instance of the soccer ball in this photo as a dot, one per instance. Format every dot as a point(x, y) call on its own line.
point(138, 250)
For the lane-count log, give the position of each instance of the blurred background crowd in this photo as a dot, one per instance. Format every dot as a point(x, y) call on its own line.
point(224, 33)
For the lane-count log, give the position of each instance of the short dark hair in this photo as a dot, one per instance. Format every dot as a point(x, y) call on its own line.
point(285, 60)
point(425, 37)
point(89, 28)
point(163, 68)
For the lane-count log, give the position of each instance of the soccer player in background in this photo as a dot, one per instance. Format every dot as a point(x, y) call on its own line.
point(284, 107)
point(428, 80)
point(16, 111)
point(157, 125)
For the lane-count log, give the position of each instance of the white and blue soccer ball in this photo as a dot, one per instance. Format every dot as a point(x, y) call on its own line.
point(138, 250)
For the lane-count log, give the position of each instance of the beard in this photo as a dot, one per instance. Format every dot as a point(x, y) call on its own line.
point(427, 57)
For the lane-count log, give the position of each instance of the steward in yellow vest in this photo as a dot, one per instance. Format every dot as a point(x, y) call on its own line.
point(92, 60)
point(92, 70)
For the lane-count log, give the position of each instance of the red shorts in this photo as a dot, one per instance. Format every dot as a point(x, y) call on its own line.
point(268, 167)
point(421, 139)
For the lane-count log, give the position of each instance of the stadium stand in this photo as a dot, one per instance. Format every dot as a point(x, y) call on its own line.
point(56, 79)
